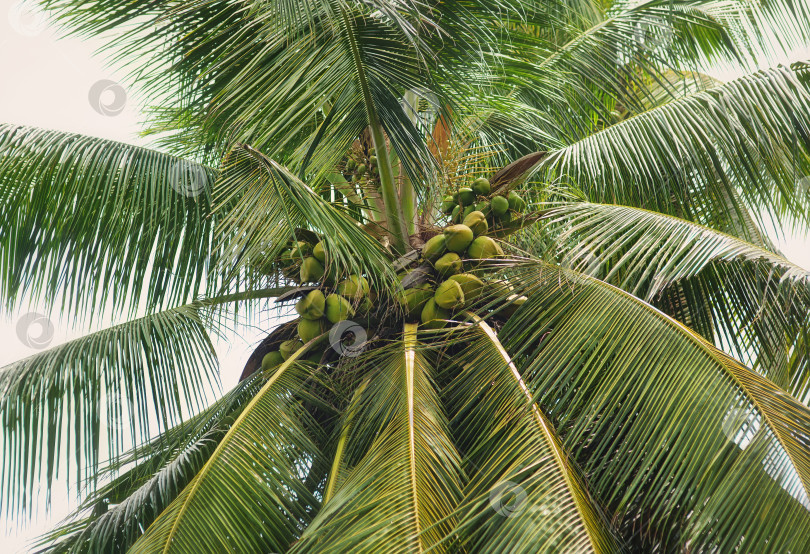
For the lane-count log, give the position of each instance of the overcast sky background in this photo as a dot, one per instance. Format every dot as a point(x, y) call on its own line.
point(46, 82)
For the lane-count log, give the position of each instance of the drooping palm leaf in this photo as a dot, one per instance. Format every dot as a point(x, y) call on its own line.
point(757, 299)
point(678, 158)
point(102, 387)
point(668, 429)
point(263, 205)
point(99, 223)
point(525, 493)
point(257, 474)
point(115, 516)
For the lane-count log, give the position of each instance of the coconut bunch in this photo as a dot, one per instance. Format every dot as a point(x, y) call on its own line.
point(456, 282)
point(478, 197)
point(361, 166)
point(318, 311)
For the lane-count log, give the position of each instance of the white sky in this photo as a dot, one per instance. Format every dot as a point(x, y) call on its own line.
point(45, 83)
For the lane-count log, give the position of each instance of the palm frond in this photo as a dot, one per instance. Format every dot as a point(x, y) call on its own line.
point(59, 404)
point(757, 300)
point(265, 457)
point(402, 474)
point(264, 204)
point(685, 157)
point(682, 443)
point(525, 493)
point(644, 252)
point(112, 518)
point(100, 223)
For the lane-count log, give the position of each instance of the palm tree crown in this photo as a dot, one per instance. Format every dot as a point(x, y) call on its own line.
point(535, 308)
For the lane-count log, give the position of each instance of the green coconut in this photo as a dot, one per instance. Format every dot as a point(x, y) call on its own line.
point(499, 205)
point(312, 305)
point(481, 186)
point(272, 359)
point(300, 249)
point(470, 284)
point(353, 288)
point(309, 329)
point(351, 165)
point(449, 295)
point(286, 258)
point(458, 238)
point(289, 347)
point(483, 207)
point(434, 248)
point(365, 306)
point(448, 205)
point(319, 252)
point(483, 248)
point(361, 169)
point(449, 264)
point(432, 315)
point(477, 221)
point(372, 151)
point(455, 215)
point(338, 308)
point(497, 289)
point(466, 196)
point(372, 160)
point(414, 299)
point(516, 202)
point(311, 270)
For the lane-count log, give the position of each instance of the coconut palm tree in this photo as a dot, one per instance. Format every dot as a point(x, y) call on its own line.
point(536, 310)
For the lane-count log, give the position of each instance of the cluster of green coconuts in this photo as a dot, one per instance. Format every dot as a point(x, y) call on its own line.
point(304, 263)
point(462, 244)
point(450, 255)
point(361, 168)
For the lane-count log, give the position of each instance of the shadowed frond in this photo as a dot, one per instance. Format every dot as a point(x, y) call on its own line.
point(99, 223)
point(402, 473)
point(264, 457)
point(681, 443)
point(112, 518)
point(525, 494)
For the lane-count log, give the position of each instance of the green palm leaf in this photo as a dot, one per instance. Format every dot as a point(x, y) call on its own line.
point(115, 516)
point(512, 449)
point(757, 300)
point(665, 426)
point(677, 158)
point(402, 474)
point(257, 474)
point(263, 204)
point(645, 252)
point(76, 394)
point(100, 223)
